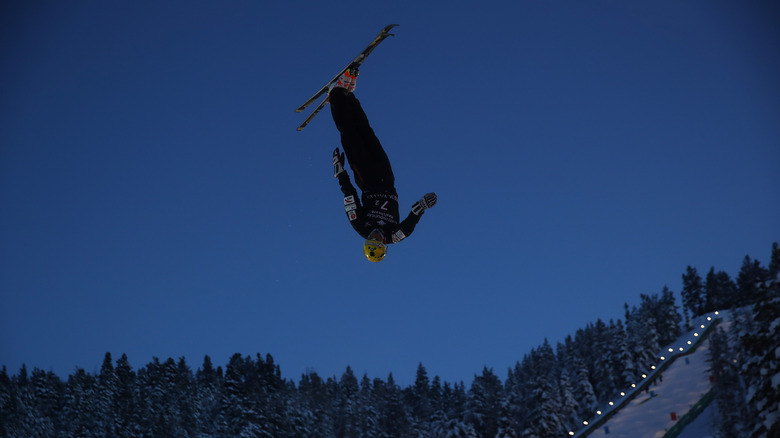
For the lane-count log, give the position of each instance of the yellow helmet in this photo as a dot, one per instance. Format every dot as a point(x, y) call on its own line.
point(374, 250)
point(374, 247)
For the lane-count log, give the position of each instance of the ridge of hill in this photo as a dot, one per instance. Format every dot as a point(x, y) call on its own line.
point(671, 388)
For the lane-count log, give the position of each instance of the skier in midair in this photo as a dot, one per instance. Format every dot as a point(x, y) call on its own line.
point(374, 215)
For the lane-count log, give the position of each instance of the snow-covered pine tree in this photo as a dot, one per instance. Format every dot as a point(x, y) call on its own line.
point(46, 400)
point(22, 413)
point(420, 403)
point(161, 413)
point(7, 395)
point(299, 419)
point(663, 313)
point(728, 390)
point(315, 397)
point(518, 391)
point(368, 412)
point(80, 406)
point(749, 279)
point(506, 424)
point(578, 376)
point(435, 396)
point(774, 263)
point(761, 365)
point(485, 399)
point(108, 386)
point(184, 397)
point(647, 337)
point(393, 419)
point(544, 418)
point(125, 408)
point(543, 421)
point(208, 382)
point(569, 408)
point(669, 318)
point(272, 391)
point(239, 407)
point(348, 419)
point(625, 369)
point(693, 292)
point(721, 291)
point(602, 374)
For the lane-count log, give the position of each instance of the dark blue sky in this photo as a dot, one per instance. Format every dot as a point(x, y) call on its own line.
point(157, 200)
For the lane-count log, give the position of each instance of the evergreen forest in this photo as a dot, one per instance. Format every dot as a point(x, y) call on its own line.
point(547, 393)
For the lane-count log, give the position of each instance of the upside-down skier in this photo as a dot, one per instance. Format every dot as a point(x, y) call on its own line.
point(375, 214)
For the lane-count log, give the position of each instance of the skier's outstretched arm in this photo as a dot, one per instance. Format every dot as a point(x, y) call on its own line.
point(351, 199)
point(406, 227)
point(338, 171)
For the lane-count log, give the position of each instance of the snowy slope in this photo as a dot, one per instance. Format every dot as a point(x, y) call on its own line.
point(671, 390)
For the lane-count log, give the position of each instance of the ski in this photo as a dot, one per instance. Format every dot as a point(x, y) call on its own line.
point(354, 63)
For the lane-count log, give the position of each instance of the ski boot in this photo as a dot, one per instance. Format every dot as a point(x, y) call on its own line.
point(346, 81)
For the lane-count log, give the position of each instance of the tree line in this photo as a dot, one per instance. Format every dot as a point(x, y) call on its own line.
point(545, 394)
point(745, 358)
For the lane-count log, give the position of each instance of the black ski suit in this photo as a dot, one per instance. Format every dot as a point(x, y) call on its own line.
point(378, 205)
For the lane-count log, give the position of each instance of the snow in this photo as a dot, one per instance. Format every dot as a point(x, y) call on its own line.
point(679, 387)
point(684, 383)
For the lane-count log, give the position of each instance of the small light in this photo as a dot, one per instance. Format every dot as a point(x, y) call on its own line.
point(663, 358)
point(644, 376)
point(716, 312)
point(585, 422)
point(633, 385)
point(696, 334)
point(652, 367)
point(689, 342)
point(598, 412)
point(671, 350)
point(622, 394)
point(709, 318)
point(702, 326)
point(611, 404)
point(571, 433)
point(681, 349)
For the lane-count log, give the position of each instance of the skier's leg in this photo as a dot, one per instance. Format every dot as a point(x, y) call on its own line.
point(342, 109)
point(365, 154)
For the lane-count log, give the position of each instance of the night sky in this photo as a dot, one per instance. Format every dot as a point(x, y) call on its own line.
point(156, 200)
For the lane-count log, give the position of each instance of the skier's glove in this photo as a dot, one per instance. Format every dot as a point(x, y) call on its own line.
point(338, 163)
point(426, 202)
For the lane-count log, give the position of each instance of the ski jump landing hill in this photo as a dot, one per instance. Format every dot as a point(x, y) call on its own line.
point(669, 395)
